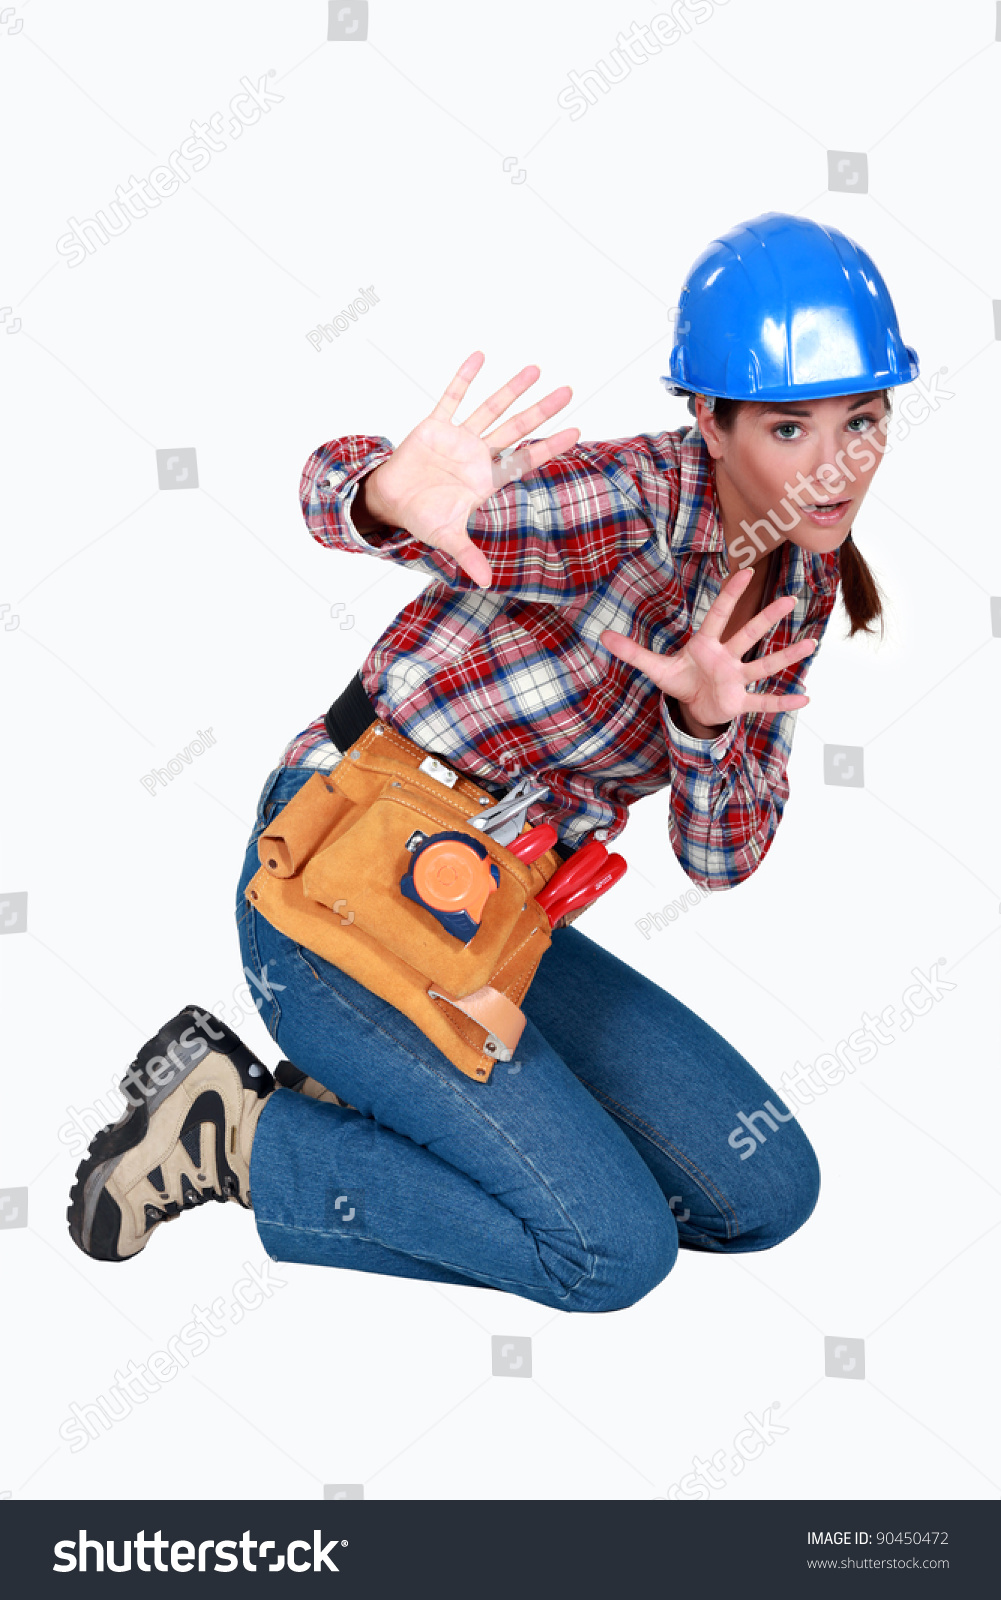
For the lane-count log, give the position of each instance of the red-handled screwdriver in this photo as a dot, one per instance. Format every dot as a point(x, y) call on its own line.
point(529, 846)
point(582, 896)
point(580, 869)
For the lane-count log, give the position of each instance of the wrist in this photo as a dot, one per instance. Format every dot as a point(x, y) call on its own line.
point(374, 501)
point(690, 724)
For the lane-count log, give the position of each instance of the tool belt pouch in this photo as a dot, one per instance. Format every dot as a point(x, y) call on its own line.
point(332, 864)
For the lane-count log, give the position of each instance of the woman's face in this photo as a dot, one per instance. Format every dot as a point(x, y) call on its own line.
point(809, 453)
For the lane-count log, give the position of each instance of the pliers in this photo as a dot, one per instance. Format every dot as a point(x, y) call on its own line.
point(505, 820)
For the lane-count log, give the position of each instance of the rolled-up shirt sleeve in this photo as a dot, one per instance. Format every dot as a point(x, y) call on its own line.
point(728, 793)
point(327, 489)
point(554, 534)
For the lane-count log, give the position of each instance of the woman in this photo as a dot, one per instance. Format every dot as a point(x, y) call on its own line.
point(610, 619)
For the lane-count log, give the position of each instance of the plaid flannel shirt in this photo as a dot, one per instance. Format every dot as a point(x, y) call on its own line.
point(512, 679)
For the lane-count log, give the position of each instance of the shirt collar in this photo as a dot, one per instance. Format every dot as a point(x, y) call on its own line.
point(698, 530)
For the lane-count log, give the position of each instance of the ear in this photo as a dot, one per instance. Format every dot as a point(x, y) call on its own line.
point(708, 428)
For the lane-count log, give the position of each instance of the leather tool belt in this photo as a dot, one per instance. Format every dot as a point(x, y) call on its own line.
point(375, 868)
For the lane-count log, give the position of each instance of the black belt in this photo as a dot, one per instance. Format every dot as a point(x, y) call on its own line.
point(349, 716)
point(352, 712)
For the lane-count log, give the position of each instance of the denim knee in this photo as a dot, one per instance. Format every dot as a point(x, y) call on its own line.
point(637, 1256)
point(651, 1257)
point(784, 1194)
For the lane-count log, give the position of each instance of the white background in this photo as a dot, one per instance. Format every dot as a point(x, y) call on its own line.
point(144, 616)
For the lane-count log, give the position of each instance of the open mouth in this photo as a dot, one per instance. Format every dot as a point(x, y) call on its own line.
point(830, 511)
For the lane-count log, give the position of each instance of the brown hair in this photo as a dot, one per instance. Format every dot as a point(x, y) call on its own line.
point(860, 593)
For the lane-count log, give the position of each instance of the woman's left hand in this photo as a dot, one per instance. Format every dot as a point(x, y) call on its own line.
point(707, 676)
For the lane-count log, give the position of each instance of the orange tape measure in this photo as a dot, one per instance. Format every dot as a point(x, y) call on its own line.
point(451, 876)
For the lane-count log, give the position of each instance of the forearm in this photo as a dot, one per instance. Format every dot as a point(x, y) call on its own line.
point(555, 536)
point(727, 795)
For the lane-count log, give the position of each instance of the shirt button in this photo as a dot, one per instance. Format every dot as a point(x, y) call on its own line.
point(600, 833)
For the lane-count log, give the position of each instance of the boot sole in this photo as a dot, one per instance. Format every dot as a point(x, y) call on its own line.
point(93, 1216)
point(288, 1076)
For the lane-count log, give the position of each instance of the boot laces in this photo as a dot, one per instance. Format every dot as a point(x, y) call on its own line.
point(192, 1197)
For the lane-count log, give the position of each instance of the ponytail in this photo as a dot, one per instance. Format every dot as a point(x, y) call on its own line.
point(860, 594)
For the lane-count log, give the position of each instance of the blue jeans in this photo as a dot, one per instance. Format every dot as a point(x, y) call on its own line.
point(570, 1178)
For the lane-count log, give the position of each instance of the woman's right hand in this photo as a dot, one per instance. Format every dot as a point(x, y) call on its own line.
point(444, 470)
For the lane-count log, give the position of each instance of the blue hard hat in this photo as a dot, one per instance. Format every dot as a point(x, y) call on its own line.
point(781, 308)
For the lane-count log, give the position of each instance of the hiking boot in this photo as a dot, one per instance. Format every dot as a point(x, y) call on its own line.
point(194, 1095)
point(289, 1077)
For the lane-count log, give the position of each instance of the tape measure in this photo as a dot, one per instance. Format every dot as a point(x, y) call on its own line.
point(450, 875)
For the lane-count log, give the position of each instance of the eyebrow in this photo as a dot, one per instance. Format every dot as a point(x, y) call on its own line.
point(804, 411)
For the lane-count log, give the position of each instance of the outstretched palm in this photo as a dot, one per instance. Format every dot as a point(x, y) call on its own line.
point(443, 470)
point(707, 674)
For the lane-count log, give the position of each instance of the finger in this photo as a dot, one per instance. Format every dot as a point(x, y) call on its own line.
point(508, 468)
point(446, 406)
point(526, 422)
point(498, 402)
point(470, 558)
point(767, 666)
point(658, 668)
point(760, 624)
point(721, 610)
point(774, 702)
point(620, 644)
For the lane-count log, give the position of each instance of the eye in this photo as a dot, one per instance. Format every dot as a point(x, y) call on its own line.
point(786, 436)
point(869, 420)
